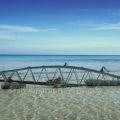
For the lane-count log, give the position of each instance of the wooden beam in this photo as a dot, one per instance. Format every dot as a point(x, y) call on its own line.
point(59, 66)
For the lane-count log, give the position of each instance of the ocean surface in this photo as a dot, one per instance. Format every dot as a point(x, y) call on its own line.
point(112, 62)
point(47, 103)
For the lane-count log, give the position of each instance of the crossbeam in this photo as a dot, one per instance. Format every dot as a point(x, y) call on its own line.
point(59, 66)
point(48, 75)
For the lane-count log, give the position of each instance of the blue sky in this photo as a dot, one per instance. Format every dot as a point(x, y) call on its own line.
point(60, 27)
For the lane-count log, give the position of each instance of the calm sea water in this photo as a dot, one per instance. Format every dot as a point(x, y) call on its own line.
point(47, 103)
point(112, 62)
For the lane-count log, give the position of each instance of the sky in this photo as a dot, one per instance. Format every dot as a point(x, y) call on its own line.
point(77, 27)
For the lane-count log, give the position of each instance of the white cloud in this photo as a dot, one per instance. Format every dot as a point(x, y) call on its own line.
point(18, 28)
point(91, 25)
point(107, 27)
point(49, 29)
point(16, 32)
point(13, 28)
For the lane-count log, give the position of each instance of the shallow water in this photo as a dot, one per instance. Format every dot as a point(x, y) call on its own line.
point(42, 103)
point(47, 103)
point(112, 62)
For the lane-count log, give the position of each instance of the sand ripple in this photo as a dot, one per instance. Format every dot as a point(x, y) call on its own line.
point(42, 103)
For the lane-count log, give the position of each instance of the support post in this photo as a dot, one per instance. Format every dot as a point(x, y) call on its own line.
point(19, 77)
point(4, 76)
point(25, 74)
point(82, 77)
point(69, 75)
point(32, 75)
point(61, 75)
point(46, 74)
point(40, 75)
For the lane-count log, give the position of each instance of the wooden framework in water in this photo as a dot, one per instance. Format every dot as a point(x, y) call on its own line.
point(71, 76)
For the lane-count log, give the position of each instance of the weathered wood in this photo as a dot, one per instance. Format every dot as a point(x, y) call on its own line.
point(29, 82)
point(43, 83)
point(59, 66)
point(95, 82)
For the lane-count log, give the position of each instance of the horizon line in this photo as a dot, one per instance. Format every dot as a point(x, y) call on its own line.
point(59, 54)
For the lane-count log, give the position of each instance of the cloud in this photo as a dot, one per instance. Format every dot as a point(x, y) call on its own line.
point(13, 28)
point(92, 25)
point(49, 29)
point(16, 32)
point(18, 28)
point(107, 27)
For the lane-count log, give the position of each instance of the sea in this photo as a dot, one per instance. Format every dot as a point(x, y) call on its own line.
point(111, 62)
point(48, 103)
